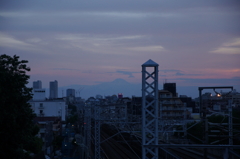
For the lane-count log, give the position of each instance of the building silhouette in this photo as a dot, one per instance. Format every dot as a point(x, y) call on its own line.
point(37, 84)
point(171, 87)
point(70, 92)
point(171, 106)
point(53, 89)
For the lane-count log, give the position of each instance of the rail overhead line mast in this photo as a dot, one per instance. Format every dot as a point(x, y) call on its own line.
point(149, 110)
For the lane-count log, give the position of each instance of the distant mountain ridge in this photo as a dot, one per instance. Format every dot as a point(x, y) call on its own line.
point(106, 88)
point(119, 86)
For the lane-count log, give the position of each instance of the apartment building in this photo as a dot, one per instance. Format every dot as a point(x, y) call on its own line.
point(171, 107)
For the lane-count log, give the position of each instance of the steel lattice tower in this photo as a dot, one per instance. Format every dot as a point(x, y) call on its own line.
point(230, 123)
point(97, 132)
point(150, 110)
point(87, 132)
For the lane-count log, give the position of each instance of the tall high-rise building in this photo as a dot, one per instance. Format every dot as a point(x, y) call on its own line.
point(171, 87)
point(37, 84)
point(70, 92)
point(53, 89)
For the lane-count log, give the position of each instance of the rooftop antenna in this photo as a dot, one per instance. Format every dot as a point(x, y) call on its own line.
point(62, 92)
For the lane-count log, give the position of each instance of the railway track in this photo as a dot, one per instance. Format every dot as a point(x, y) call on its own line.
point(184, 153)
point(115, 150)
point(121, 150)
point(189, 153)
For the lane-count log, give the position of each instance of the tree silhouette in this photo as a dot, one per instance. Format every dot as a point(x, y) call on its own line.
point(17, 130)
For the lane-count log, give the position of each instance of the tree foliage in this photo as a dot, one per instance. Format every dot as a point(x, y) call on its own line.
point(73, 108)
point(72, 119)
point(16, 116)
point(57, 142)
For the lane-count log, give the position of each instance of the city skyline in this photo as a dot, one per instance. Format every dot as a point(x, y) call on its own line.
point(89, 43)
point(127, 89)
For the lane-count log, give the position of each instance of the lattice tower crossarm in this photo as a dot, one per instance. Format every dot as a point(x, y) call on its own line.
point(149, 110)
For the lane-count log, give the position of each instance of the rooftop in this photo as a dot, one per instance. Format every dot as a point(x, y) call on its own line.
point(150, 63)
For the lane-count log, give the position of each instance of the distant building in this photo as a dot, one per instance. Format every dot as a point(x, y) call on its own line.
point(171, 106)
point(111, 99)
point(98, 96)
point(39, 94)
point(120, 95)
point(48, 108)
point(37, 84)
point(53, 89)
point(219, 102)
point(189, 103)
point(70, 92)
point(71, 99)
point(114, 98)
point(50, 114)
point(171, 87)
point(134, 109)
point(91, 100)
point(234, 96)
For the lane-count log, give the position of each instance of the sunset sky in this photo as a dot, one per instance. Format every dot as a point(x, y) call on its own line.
point(86, 42)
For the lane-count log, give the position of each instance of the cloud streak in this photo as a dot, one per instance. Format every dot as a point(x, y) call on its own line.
point(9, 41)
point(232, 47)
point(113, 44)
point(147, 49)
point(212, 81)
point(174, 73)
point(65, 69)
point(129, 73)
